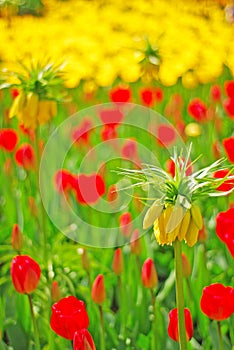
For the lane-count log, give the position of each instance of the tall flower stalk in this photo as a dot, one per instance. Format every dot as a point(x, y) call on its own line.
point(173, 212)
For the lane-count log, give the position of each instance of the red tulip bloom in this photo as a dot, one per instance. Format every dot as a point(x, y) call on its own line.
point(68, 316)
point(89, 188)
point(228, 144)
point(111, 117)
point(8, 139)
point(226, 185)
point(158, 95)
point(98, 290)
point(25, 156)
point(197, 110)
point(217, 301)
point(119, 94)
point(228, 106)
point(229, 88)
point(64, 181)
point(173, 328)
point(129, 150)
point(83, 340)
point(81, 134)
point(148, 274)
point(166, 135)
point(225, 228)
point(108, 132)
point(25, 274)
point(147, 97)
point(215, 93)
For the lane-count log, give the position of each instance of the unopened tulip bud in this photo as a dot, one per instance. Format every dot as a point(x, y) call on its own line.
point(117, 264)
point(16, 238)
point(33, 206)
point(98, 290)
point(83, 340)
point(149, 274)
point(186, 266)
point(55, 292)
point(135, 243)
point(173, 331)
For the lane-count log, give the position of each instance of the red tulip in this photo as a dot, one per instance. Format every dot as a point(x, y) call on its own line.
point(226, 185)
point(98, 290)
point(229, 88)
point(125, 222)
point(16, 238)
point(25, 156)
point(108, 132)
point(117, 263)
point(166, 135)
point(89, 188)
point(83, 340)
point(68, 316)
point(217, 301)
point(135, 243)
point(25, 274)
point(147, 97)
point(197, 110)
point(215, 93)
point(112, 193)
point(225, 228)
point(228, 106)
point(129, 150)
point(55, 291)
point(8, 139)
point(82, 133)
point(148, 274)
point(158, 94)
point(111, 117)
point(228, 144)
point(120, 94)
point(64, 180)
point(173, 329)
point(14, 92)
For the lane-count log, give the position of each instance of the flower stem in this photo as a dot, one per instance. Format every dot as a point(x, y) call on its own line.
point(36, 334)
point(180, 294)
point(103, 345)
point(220, 336)
point(154, 335)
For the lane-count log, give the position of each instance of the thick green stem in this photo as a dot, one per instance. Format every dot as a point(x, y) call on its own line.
point(220, 336)
point(180, 294)
point(103, 344)
point(35, 329)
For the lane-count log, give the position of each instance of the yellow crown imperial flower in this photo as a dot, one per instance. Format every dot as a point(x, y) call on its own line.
point(40, 88)
point(174, 213)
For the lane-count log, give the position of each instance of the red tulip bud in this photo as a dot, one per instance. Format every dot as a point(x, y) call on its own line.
point(98, 290)
point(83, 340)
point(117, 264)
point(149, 274)
point(55, 291)
point(25, 274)
point(16, 238)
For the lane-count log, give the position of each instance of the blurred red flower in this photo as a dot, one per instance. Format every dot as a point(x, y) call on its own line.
point(64, 180)
point(98, 290)
point(111, 117)
point(16, 238)
point(125, 223)
point(166, 135)
point(81, 134)
point(68, 316)
point(228, 106)
point(225, 228)
point(229, 88)
point(173, 330)
point(55, 291)
point(158, 94)
point(117, 263)
point(129, 150)
point(89, 188)
point(197, 110)
point(217, 301)
point(112, 193)
point(226, 185)
point(215, 93)
point(8, 139)
point(25, 274)
point(108, 132)
point(83, 340)
point(228, 144)
point(147, 96)
point(25, 156)
point(148, 274)
point(14, 92)
point(120, 94)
